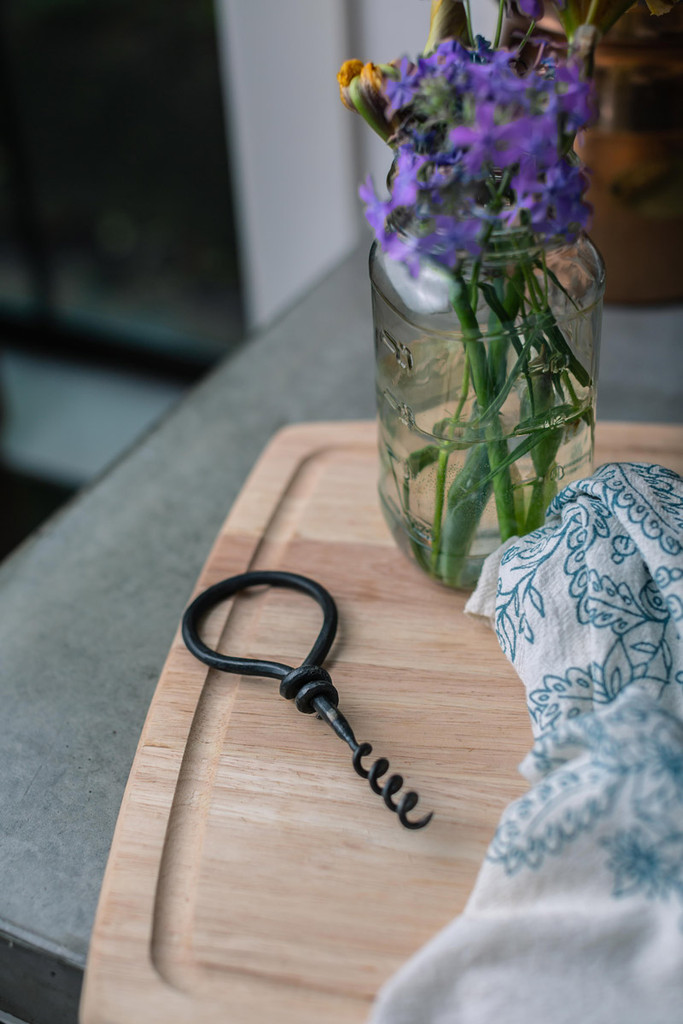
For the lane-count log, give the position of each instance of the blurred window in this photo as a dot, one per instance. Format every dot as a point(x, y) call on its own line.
point(116, 221)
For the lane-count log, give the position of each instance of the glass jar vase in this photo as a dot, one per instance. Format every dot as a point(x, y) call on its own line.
point(486, 391)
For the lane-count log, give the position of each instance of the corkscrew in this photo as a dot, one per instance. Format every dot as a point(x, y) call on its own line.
point(310, 686)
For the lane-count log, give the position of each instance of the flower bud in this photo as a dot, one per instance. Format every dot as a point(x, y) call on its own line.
point(349, 70)
point(361, 89)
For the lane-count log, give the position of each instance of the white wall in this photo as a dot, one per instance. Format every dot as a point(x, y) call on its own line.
point(297, 154)
point(289, 143)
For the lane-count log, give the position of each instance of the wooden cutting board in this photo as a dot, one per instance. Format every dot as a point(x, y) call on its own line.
point(253, 876)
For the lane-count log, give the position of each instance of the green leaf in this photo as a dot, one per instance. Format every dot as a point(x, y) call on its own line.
point(558, 284)
point(508, 325)
point(549, 419)
point(422, 458)
point(558, 342)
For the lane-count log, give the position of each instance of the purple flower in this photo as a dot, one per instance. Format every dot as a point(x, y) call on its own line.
point(551, 203)
point(409, 249)
point(450, 62)
point(376, 210)
point(537, 138)
point(565, 186)
point(479, 146)
point(445, 53)
point(527, 178)
point(405, 186)
point(455, 235)
point(575, 97)
point(401, 91)
point(525, 187)
point(532, 8)
point(483, 50)
point(448, 53)
point(496, 81)
point(488, 143)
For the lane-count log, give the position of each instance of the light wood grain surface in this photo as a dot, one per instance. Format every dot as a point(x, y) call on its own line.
point(253, 876)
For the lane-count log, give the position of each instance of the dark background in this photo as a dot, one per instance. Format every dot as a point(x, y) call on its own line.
point(117, 235)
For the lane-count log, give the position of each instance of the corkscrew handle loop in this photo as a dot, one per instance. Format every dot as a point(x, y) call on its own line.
point(209, 598)
point(309, 686)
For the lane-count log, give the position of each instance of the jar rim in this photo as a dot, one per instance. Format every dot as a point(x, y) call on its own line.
point(562, 318)
point(484, 336)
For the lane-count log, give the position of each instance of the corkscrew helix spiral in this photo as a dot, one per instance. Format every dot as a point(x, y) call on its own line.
point(309, 686)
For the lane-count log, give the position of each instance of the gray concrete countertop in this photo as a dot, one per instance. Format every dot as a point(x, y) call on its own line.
point(89, 605)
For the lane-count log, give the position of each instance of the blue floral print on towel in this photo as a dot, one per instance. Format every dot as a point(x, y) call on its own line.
point(592, 603)
point(589, 609)
point(617, 778)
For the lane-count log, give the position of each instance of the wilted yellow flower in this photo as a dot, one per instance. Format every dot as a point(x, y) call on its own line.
point(360, 88)
point(349, 70)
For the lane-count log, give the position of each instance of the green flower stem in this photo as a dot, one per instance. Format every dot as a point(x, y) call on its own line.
point(442, 468)
point(543, 455)
point(539, 305)
point(496, 445)
point(568, 384)
point(502, 484)
point(543, 491)
point(498, 355)
point(592, 12)
point(499, 24)
point(463, 393)
point(439, 494)
point(541, 398)
point(467, 498)
point(470, 30)
point(527, 37)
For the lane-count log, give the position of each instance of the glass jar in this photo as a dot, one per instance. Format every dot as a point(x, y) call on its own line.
point(486, 391)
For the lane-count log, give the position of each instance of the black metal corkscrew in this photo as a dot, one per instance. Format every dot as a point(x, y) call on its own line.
point(309, 685)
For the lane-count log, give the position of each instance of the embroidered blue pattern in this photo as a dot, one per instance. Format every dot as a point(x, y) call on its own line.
point(605, 692)
point(626, 763)
point(625, 513)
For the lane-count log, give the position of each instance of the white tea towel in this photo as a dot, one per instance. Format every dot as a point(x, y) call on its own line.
point(577, 913)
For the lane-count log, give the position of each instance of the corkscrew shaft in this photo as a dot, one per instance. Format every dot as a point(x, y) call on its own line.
point(336, 721)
